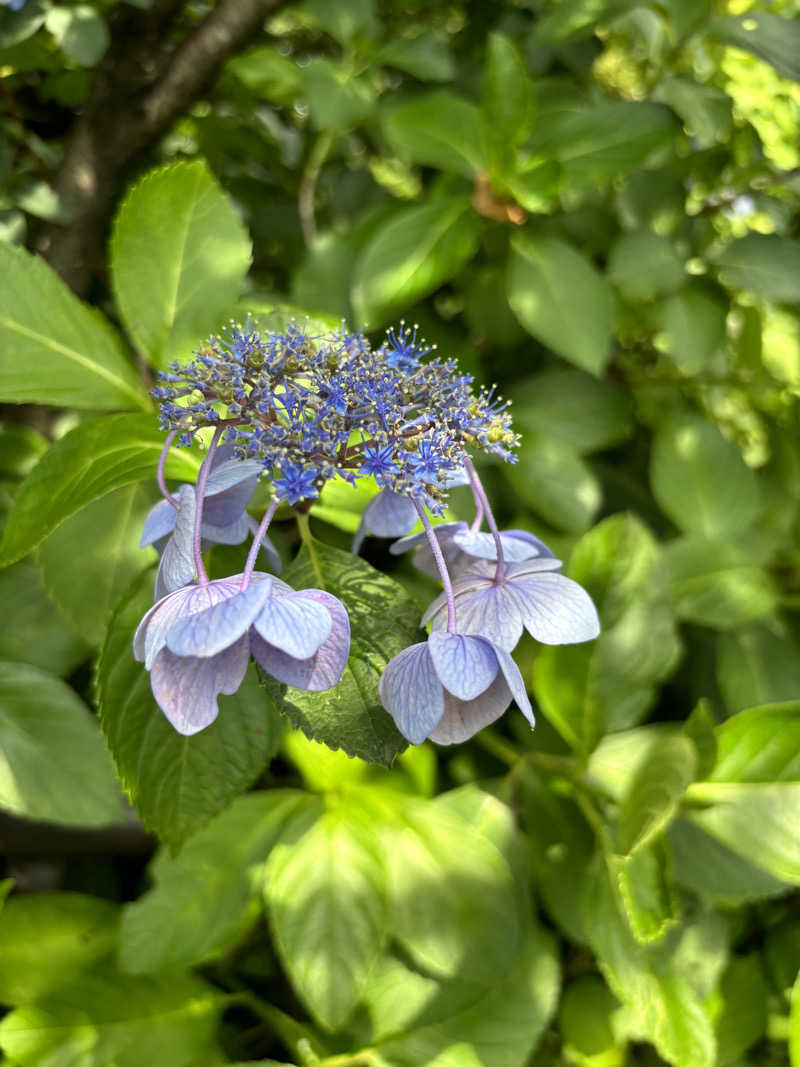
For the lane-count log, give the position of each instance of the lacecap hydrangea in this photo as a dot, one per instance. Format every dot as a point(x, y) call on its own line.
point(296, 410)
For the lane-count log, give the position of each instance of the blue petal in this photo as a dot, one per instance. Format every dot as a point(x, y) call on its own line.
point(458, 477)
point(532, 566)
point(269, 548)
point(466, 666)
point(490, 611)
point(231, 472)
point(554, 609)
point(515, 684)
point(321, 671)
point(462, 719)
point(444, 532)
point(208, 632)
point(151, 634)
point(515, 549)
point(390, 514)
point(186, 688)
point(159, 523)
point(229, 490)
point(176, 566)
point(295, 624)
point(411, 693)
point(232, 534)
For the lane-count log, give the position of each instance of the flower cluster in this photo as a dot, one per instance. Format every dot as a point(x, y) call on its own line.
point(298, 410)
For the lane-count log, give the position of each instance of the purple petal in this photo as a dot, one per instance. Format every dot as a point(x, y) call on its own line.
point(411, 692)
point(295, 623)
point(232, 534)
point(466, 666)
point(515, 549)
point(207, 633)
point(151, 634)
point(229, 490)
point(490, 611)
point(269, 548)
point(320, 671)
point(159, 523)
point(458, 477)
point(462, 719)
point(186, 688)
point(230, 472)
point(444, 532)
point(532, 566)
point(176, 566)
point(390, 514)
point(515, 684)
point(554, 609)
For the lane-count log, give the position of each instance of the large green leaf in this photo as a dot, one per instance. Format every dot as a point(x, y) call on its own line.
point(179, 256)
point(764, 264)
point(425, 55)
point(49, 938)
point(556, 482)
point(95, 458)
point(336, 98)
point(55, 349)
point(411, 254)
point(53, 764)
point(757, 664)
point(642, 264)
point(759, 745)
point(743, 1018)
point(214, 876)
point(572, 19)
point(440, 130)
point(507, 104)
point(700, 480)
point(101, 1020)
point(692, 322)
point(655, 793)
point(94, 555)
point(561, 299)
point(41, 634)
point(770, 37)
point(648, 895)
point(325, 891)
point(383, 621)
point(177, 783)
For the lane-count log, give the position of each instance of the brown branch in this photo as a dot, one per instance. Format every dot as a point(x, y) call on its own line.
point(142, 85)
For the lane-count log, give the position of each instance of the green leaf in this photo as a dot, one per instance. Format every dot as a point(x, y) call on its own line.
point(700, 729)
point(648, 895)
point(425, 56)
point(337, 100)
point(413, 253)
point(49, 939)
point(794, 1023)
point(41, 635)
point(115, 1021)
point(507, 104)
point(585, 1021)
point(764, 264)
point(756, 665)
point(598, 143)
point(17, 26)
point(438, 130)
point(346, 20)
point(179, 256)
point(692, 324)
point(620, 756)
point(325, 891)
point(643, 265)
point(342, 504)
point(216, 876)
point(95, 458)
point(177, 783)
point(716, 584)
point(759, 745)
point(573, 19)
point(551, 478)
point(743, 1018)
point(55, 349)
point(585, 412)
point(54, 765)
point(757, 822)
point(89, 560)
point(547, 281)
point(655, 793)
point(770, 37)
point(706, 112)
point(437, 891)
point(80, 31)
point(700, 480)
point(383, 621)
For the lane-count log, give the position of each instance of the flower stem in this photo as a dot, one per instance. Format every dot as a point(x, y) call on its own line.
point(200, 489)
point(440, 563)
point(162, 460)
point(252, 555)
point(480, 494)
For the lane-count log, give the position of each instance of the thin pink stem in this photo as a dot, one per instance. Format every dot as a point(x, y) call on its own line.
point(252, 555)
point(477, 522)
point(438, 555)
point(200, 491)
point(480, 494)
point(162, 460)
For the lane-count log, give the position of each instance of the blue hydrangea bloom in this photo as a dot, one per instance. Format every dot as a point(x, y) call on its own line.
point(196, 642)
point(531, 595)
point(461, 546)
point(451, 686)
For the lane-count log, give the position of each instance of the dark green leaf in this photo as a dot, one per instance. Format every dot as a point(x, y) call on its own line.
point(572, 19)
point(55, 349)
point(693, 328)
point(179, 256)
point(345, 19)
point(551, 478)
point(585, 1018)
point(743, 1018)
point(41, 635)
point(439, 130)
point(54, 765)
point(770, 37)
point(17, 26)
point(643, 265)
point(177, 783)
point(507, 104)
point(706, 112)
point(337, 99)
point(80, 31)
point(756, 665)
point(548, 281)
point(764, 264)
point(383, 621)
point(425, 55)
point(95, 458)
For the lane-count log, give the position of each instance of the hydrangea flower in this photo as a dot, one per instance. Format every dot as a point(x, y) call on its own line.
point(388, 514)
point(449, 687)
point(461, 545)
point(196, 642)
point(530, 595)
